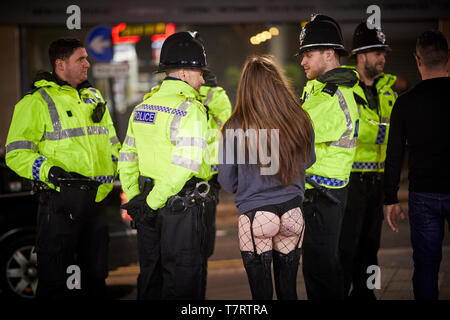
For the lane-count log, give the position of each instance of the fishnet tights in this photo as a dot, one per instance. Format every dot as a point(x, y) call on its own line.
point(271, 232)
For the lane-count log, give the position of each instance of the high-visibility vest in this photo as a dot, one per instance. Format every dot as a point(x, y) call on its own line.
point(374, 126)
point(219, 108)
point(166, 141)
point(52, 126)
point(334, 115)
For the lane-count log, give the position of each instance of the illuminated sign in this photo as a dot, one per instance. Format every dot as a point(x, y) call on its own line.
point(169, 30)
point(123, 33)
point(144, 29)
point(117, 38)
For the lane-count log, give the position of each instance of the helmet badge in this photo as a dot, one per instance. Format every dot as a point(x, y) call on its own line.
point(313, 16)
point(193, 34)
point(381, 37)
point(302, 35)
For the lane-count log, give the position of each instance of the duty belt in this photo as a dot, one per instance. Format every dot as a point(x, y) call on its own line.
point(321, 190)
point(195, 191)
point(189, 197)
point(372, 177)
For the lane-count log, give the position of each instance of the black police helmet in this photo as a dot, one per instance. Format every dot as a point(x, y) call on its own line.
point(322, 32)
point(365, 39)
point(182, 50)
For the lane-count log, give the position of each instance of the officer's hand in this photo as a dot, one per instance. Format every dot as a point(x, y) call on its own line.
point(138, 209)
point(149, 214)
point(55, 173)
point(393, 212)
point(133, 208)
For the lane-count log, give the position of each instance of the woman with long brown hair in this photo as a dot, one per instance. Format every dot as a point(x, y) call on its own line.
point(267, 145)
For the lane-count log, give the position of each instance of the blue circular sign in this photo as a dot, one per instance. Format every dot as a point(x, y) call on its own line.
point(99, 44)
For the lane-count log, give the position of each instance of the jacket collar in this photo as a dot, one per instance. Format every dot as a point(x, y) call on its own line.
point(175, 85)
point(340, 76)
point(45, 79)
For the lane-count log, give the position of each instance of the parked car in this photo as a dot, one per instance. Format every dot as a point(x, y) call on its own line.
point(18, 215)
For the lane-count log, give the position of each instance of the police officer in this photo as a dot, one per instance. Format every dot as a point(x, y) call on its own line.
point(62, 131)
point(162, 166)
point(328, 99)
point(361, 228)
point(218, 107)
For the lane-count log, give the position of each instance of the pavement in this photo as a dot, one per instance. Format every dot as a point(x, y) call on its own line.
point(227, 279)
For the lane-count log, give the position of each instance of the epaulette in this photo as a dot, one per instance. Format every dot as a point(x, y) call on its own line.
point(330, 88)
point(33, 90)
point(358, 99)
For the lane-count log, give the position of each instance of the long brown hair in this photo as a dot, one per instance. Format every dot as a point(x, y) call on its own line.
point(266, 100)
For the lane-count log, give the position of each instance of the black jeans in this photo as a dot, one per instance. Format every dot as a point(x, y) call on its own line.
point(361, 232)
point(170, 255)
point(62, 242)
point(321, 266)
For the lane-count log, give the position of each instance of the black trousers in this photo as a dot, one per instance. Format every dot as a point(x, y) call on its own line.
point(210, 216)
point(62, 242)
point(321, 266)
point(209, 220)
point(170, 255)
point(361, 232)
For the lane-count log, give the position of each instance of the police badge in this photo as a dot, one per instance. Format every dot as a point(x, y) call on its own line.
point(381, 37)
point(302, 35)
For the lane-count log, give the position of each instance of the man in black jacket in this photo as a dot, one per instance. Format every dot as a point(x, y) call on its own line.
point(419, 121)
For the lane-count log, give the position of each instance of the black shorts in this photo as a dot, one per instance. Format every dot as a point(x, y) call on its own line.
point(280, 208)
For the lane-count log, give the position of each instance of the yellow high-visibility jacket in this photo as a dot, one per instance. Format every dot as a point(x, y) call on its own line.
point(52, 126)
point(330, 103)
point(219, 107)
point(166, 141)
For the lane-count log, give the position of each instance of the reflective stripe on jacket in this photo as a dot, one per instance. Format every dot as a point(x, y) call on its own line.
point(334, 114)
point(166, 141)
point(374, 126)
point(219, 110)
point(52, 126)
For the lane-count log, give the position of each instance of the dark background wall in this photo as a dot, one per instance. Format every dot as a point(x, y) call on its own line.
point(28, 27)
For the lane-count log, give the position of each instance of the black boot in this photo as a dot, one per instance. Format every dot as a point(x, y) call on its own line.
point(285, 267)
point(259, 274)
